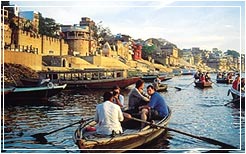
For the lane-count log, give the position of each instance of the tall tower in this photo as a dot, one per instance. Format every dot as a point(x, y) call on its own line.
point(77, 38)
point(85, 21)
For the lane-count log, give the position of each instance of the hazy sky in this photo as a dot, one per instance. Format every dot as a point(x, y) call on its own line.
point(204, 24)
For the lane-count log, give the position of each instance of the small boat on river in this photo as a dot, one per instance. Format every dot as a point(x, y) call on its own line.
point(151, 78)
point(162, 87)
point(132, 137)
point(188, 71)
point(224, 77)
point(224, 80)
point(38, 93)
point(202, 85)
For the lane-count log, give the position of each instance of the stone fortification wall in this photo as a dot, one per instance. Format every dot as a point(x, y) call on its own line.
point(7, 35)
point(83, 47)
point(43, 45)
point(28, 41)
point(54, 46)
point(63, 47)
point(33, 61)
point(80, 46)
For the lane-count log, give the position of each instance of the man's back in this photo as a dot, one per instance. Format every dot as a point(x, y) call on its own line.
point(108, 116)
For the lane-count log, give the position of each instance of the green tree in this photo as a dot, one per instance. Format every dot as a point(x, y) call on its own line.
point(234, 53)
point(48, 26)
point(102, 34)
point(28, 26)
point(147, 51)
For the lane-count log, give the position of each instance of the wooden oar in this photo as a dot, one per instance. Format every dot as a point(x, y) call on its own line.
point(209, 140)
point(233, 101)
point(174, 87)
point(178, 88)
point(40, 136)
point(215, 83)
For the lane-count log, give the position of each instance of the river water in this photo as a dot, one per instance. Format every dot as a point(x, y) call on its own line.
point(194, 111)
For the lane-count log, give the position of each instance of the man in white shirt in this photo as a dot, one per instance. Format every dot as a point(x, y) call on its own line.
point(108, 116)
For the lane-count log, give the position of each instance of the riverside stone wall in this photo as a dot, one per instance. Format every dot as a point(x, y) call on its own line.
point(34, 61)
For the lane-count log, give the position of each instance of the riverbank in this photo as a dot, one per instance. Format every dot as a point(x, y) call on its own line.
point(13, 73)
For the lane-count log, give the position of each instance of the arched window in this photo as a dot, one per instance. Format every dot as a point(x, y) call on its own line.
point(63, 63)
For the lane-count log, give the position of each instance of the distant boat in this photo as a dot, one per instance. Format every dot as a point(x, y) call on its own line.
point(92, 79)
point(202, 85)
point(188, 72)
point(39, 93)
point(224, 80)
point(177, 72)
point(151, 78)
point(162, 87)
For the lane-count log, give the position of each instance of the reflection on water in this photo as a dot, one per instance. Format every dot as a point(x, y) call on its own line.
point(195, 111)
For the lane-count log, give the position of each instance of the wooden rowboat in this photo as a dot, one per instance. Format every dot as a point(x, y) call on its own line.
point(202, 85)
point(162, 87)
point(89, 141)
point(224, 80)
point(151, 78)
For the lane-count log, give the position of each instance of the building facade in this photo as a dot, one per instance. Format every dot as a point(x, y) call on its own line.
point(80, 38)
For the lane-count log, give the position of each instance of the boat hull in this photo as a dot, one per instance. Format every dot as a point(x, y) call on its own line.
point(6, 91)
point(31, 94)
point(126, 144)
point(30, 81)
point(102, 84)
point(226, 81)
point(162, 87)
point(151, 78)
point(92, 84)
point(123, 142)
point(203, 85)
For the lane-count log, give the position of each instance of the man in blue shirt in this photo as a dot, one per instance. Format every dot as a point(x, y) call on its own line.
point(157, 106)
